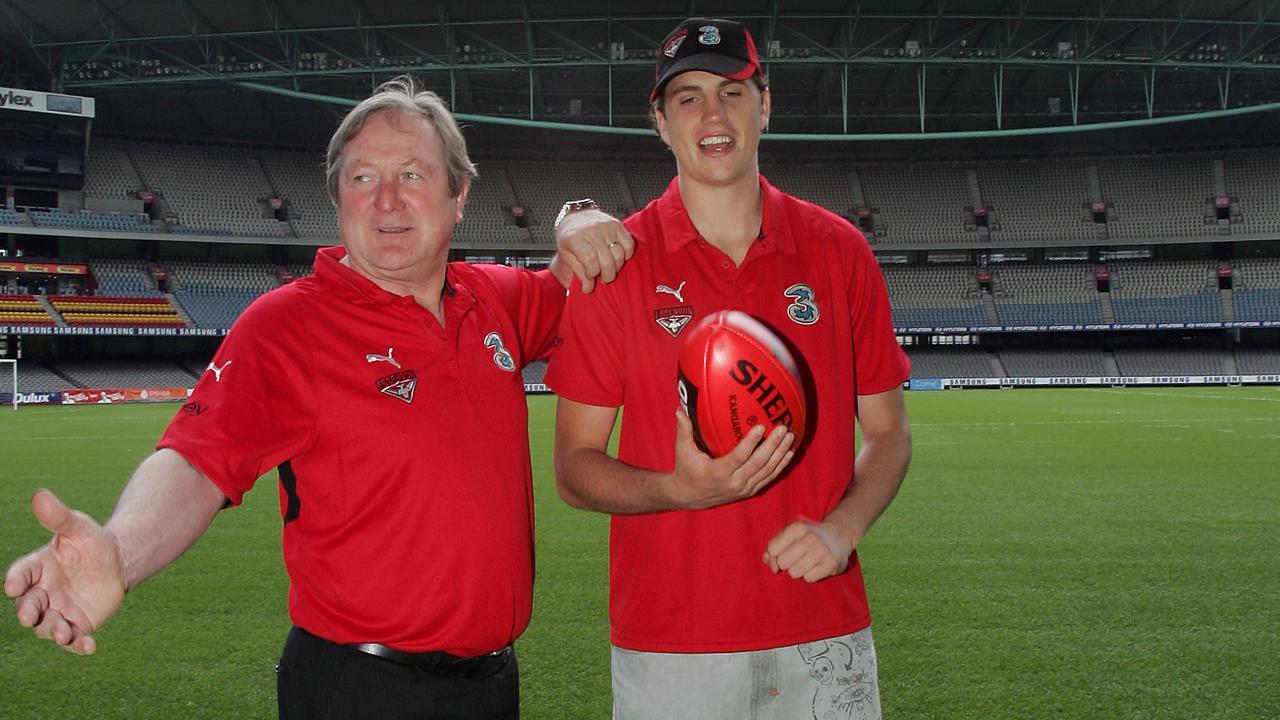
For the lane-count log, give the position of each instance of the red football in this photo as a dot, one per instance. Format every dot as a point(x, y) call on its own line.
point(734, 374)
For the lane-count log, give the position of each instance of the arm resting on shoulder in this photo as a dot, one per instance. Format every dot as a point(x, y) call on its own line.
point(591, 245)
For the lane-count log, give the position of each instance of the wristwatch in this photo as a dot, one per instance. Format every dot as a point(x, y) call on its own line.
point(574, 206)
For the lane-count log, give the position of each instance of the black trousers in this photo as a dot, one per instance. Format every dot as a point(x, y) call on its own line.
point(321, 680)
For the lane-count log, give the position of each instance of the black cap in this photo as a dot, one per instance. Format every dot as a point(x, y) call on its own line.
point(723, 47)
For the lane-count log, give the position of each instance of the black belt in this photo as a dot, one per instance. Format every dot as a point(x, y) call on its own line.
point(442, 663)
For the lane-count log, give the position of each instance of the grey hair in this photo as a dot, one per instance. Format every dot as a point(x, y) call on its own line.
point(403, 95)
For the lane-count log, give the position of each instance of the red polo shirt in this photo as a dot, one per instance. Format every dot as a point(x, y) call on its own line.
point(693, 581)
point(402, 447)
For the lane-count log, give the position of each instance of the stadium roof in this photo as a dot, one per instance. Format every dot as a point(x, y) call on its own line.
point(275, 71)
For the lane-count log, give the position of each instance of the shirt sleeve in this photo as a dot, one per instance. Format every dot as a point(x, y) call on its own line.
point(255, 407)
point(587, 363)
point(881, 363)
point(534, 301)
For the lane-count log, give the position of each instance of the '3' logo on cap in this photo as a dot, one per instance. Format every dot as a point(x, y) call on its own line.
point(710, 35)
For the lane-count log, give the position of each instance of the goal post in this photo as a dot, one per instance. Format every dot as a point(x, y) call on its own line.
point(9, 376)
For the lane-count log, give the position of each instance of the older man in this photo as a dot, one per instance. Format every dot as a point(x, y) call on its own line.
point(386, 389)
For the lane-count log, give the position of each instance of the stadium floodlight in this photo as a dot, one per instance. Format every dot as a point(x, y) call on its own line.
point(13, 375)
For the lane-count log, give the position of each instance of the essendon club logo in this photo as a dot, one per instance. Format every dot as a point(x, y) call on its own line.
point(399, 385)
point(673, 319)
point(673, 45)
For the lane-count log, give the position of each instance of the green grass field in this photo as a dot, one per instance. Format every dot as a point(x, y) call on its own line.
point(1085, 553)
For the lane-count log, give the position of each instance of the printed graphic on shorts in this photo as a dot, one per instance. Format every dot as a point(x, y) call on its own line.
point(844, 674)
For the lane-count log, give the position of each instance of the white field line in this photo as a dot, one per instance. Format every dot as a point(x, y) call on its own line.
point(1146, 422)
point(60, 438)
point(1155, 393)
point(32, 415)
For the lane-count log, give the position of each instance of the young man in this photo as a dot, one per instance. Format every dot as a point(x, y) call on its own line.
point(386, 388)
point(735, 589)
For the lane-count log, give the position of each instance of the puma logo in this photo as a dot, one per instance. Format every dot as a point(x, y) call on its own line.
point(372, 357)
point(672, 291)
point(217, 371)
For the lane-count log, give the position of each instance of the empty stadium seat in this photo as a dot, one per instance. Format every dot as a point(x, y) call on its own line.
point(116, 311)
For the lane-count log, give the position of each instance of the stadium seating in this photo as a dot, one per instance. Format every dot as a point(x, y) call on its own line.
point(216, 308)
point(1044, 200)
point(487, 216)
point(299, 178)
point(939, 317)
point(1257, 293)
point(1256, 305)
point(116, 311)
point(1257, 273)
point(648, 181)
point(1171, 208)
point(943, 296)
point(1057, 294)
point(135, 373)
point(1257, 361)
point(23, 310)
point(533, 372)
point(193, 276)
point(1253, 180)
point(61, 220)
point(1053, 363)
point(1197, 308)
point(1189, 361)
point(820, 184)
point(195, 365)
point(226, 194)
point(34, 377)
point(300, 269)
point(109, 173)
point(529, 181)
point(1038, 201)
point(922, 203)
point(950, 362)
point(1174, 291)
point(124, 278)
point(195, 230)
point(1050, 313)
point(214, 294)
